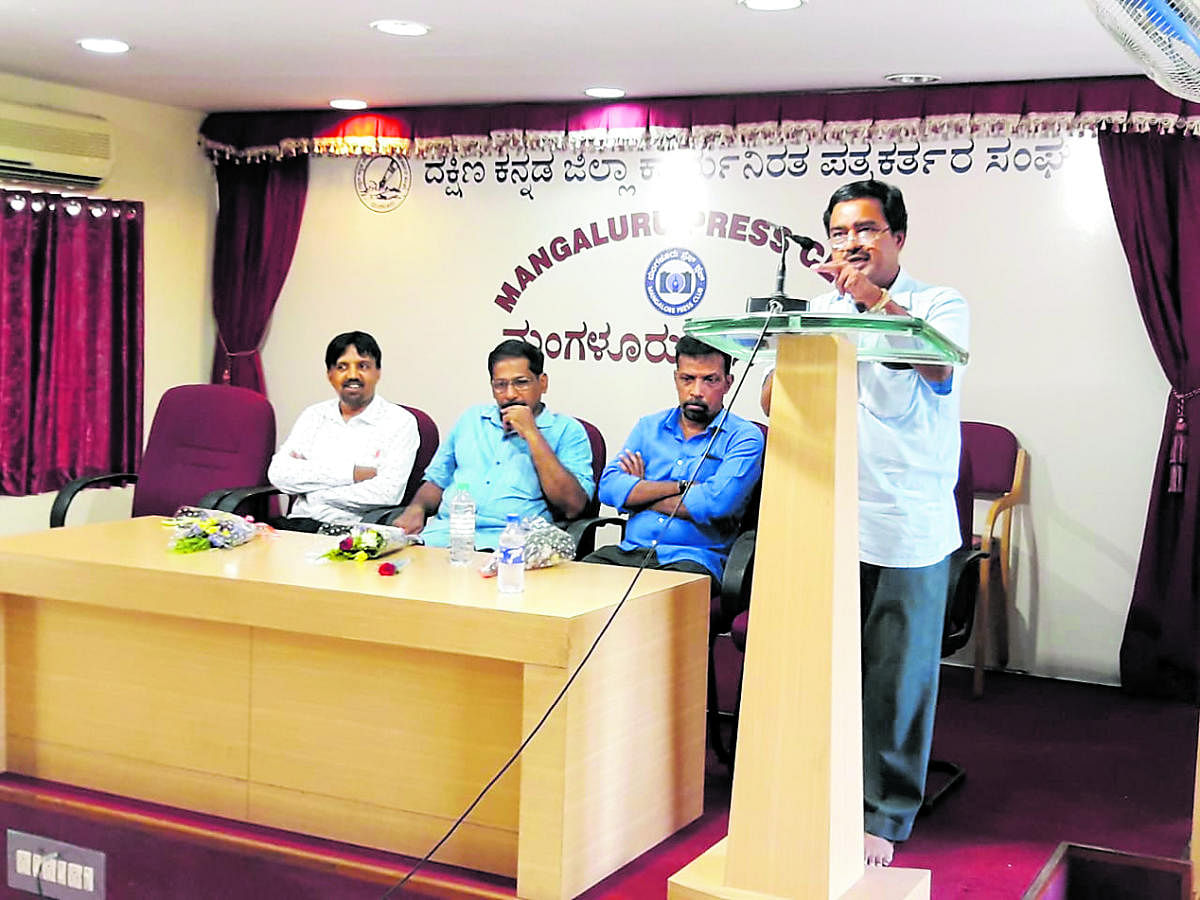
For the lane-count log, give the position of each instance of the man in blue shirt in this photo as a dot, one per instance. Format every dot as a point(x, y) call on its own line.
point(908, 447)
point(656, 474)
point(515, 455)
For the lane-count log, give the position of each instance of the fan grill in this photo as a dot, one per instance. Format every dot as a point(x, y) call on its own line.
point(1162, 35)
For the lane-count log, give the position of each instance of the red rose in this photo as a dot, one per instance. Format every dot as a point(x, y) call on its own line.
point(387, 568)
point(347, 544)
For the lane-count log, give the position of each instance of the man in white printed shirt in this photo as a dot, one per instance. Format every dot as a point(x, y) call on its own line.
point(348, 454)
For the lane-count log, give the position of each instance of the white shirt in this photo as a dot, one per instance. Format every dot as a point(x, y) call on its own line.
point(908, 439)
point(317, 460)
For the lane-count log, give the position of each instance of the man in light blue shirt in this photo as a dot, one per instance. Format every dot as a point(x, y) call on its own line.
point(515, 455)
point(669, 465)
point(908, 448)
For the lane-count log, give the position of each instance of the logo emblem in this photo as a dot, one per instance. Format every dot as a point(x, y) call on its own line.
point(382, 182)
point(676, 281)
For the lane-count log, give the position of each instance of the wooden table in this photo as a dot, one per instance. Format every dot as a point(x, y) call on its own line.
point(323, 698)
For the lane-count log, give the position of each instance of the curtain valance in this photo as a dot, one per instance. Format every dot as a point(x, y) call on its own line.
point(1029, 108)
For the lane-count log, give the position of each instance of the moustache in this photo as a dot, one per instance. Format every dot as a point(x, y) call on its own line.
point(509, 403)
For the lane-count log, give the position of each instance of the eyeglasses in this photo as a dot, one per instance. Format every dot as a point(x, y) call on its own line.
point(866, 234)
point(520, 385)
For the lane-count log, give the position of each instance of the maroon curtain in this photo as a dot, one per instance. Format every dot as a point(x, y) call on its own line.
point(258, 222)
point(70, 339)
point(1154, 184)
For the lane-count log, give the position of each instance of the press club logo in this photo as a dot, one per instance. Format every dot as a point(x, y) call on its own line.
point(676, 281)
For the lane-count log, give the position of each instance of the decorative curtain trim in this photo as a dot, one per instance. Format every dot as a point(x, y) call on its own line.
point(1015, 109)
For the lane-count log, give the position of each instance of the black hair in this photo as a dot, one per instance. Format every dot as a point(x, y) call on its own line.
point(690, 346)
point(889, 198)
point(514, 349)
point(360, 340)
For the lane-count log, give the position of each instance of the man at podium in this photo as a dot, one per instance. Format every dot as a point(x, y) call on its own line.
point(908, 448)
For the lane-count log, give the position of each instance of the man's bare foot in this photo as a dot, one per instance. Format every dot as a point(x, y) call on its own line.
point(878, 851)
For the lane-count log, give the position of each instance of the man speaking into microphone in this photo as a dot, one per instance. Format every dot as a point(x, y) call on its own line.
point(908, 448)
point(515, 454)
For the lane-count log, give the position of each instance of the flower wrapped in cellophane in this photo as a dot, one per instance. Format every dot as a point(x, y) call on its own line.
point(196, 529)
point(545, 545)
point(370, 542)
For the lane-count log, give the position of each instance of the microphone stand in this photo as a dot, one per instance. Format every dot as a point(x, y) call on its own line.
point(778, 300)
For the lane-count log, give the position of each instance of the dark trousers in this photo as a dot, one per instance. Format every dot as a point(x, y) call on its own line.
point(306, 525)
point(615, 556)
point(903, 611)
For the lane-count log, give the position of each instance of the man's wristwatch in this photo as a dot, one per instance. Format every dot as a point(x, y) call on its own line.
point(683, 485)
point(884, 299)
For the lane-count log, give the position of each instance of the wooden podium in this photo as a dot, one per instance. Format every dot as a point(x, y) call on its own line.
point(796, 814)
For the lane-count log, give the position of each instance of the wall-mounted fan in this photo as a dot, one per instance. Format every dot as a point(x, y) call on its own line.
point(1162, 35)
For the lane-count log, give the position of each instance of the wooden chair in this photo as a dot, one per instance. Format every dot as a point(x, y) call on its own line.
point(1000, 468)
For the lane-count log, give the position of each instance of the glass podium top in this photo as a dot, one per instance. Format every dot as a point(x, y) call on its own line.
point(877, 338)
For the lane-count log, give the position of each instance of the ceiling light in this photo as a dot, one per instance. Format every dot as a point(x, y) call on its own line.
point(103, 45)
point(400, 27)
point(347, 103)
point(912, 78)
point(771, 5)
point(605, 93)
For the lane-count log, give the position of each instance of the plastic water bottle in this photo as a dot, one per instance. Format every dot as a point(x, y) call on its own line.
point(462, 525)
point(510, 573)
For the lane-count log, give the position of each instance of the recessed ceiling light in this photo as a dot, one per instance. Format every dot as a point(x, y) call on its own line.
point(103, 45)
point(605, 93)
point(771, 5)
point(400, 27)
point(912, 78)
point(347, 103)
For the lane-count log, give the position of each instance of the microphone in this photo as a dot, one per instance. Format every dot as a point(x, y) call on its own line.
point(778, 300)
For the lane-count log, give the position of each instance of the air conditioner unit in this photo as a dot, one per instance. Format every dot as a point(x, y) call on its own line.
point(51, 146)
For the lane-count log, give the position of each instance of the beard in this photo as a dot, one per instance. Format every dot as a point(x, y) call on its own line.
point(354, 400)
point(697, 412)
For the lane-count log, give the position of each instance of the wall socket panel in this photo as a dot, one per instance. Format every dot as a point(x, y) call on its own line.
point(49, 868)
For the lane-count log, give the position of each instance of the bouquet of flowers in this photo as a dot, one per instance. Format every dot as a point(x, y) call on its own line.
point(198, 529)
point(370, 542)
point(545, 545)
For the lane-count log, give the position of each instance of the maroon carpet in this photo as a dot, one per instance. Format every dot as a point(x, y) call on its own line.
point(1047, 761)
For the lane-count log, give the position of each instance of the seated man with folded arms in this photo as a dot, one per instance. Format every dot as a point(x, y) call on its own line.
point(350, 453)
point(655, 474)
point(515, 456)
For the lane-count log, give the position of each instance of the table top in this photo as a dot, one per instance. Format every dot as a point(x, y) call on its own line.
point(275, 581)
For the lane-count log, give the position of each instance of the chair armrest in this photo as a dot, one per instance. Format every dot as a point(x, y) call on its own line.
point(960, 598)
point(58, 512)
point(738, 577)
point(1008, 501)
point(233, 499)
point(583, 531)
point(212, 498)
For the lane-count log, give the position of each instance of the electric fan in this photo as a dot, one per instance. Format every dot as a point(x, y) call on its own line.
point(1162, 35)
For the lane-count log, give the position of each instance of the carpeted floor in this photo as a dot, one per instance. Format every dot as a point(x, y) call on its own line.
point(1047, 761)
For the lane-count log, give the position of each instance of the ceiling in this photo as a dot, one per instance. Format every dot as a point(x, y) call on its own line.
point(271, 54)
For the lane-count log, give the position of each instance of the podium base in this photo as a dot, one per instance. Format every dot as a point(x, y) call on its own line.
point(703, 879)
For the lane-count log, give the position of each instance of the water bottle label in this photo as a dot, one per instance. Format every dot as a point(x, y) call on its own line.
point(512, 556)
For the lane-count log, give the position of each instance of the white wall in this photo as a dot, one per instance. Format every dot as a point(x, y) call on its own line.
point(1059, 353)
point(158, 162)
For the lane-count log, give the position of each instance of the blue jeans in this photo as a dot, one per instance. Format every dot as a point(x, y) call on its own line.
point(903, 611)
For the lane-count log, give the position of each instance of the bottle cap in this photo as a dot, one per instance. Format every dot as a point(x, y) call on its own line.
point(513, 517)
